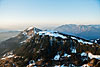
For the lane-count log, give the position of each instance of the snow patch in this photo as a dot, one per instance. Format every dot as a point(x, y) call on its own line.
point(62, 65)
point(57, 57)
point(90, 55)
point(66, 55)
point(73, 50)
point(83, 54)
point(24, 33)
point(39, 59)
point(30, 28)
point(23, 42)
point(73, 37)
point(31, 63)
point(80, 40)
point(85, 65)
point(10, 56)
point(57, 66)
point(51, 33)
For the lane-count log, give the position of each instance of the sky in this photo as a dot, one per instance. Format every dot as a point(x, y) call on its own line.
point(20, 14)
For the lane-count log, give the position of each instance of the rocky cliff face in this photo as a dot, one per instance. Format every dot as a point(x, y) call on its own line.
point(52, 48)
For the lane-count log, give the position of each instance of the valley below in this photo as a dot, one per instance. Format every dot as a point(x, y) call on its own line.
point(7, 35)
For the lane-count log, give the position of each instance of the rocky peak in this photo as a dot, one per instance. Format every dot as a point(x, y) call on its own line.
point(30, 31)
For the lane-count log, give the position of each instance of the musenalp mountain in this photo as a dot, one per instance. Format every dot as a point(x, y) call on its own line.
point(16, 41)
point(84, 31)
point(51, 49)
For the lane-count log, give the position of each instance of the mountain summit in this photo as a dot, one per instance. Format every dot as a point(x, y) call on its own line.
point(16, 41)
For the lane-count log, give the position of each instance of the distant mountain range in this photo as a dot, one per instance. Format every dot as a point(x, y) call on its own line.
point(34, 47)
point(4, 30)
point(4, 35)
point(84, 31)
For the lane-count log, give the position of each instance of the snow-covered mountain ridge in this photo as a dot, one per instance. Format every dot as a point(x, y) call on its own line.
point(51, 48)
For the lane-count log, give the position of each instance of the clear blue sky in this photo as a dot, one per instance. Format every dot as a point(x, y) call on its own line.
point(18, 14)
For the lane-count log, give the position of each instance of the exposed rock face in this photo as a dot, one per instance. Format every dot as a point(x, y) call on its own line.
point(51, 48)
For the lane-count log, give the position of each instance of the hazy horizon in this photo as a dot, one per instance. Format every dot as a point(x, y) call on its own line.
point(20, 14)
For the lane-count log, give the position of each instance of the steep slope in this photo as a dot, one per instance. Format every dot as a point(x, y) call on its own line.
point(85, 31)
point(16, 41)
point(51, 48)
